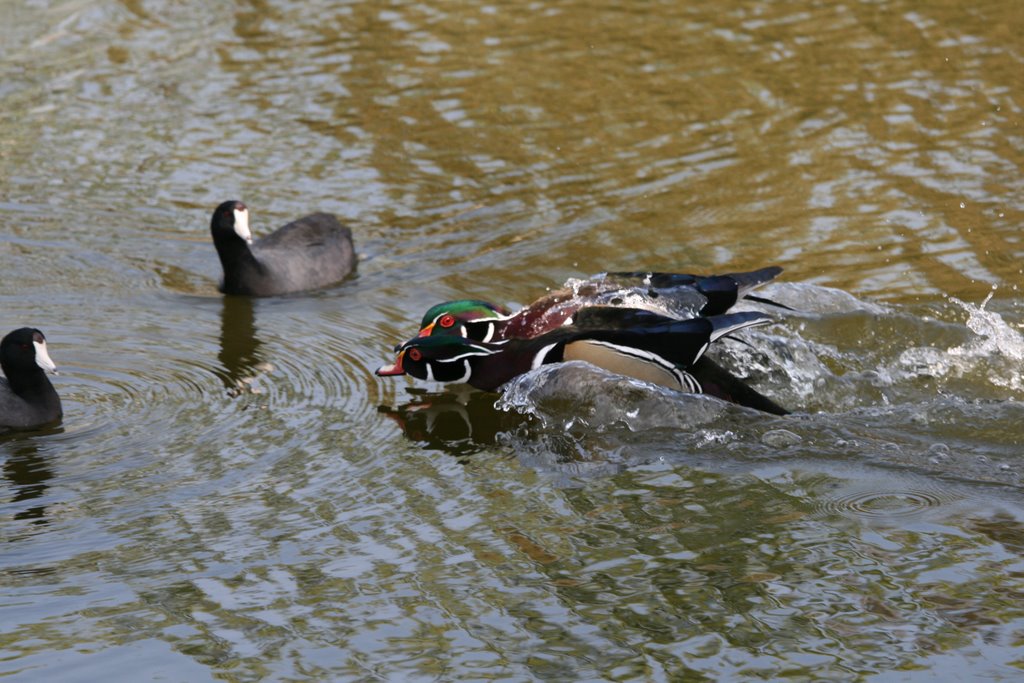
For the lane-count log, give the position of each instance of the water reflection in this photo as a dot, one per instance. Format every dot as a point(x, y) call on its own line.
point(240, 353)
point(1003, 528)
point(870, 147)
point(28, 472)
point(458, 423)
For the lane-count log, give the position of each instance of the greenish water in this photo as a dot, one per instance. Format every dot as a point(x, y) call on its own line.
point(232, 494)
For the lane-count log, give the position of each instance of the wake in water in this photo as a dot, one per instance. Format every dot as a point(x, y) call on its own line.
point(915, 386)
point(837, 354)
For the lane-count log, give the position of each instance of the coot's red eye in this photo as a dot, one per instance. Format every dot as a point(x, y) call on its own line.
point(414, 354)
point(446, 320)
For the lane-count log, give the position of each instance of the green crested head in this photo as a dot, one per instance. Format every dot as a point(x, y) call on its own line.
point(463, 318)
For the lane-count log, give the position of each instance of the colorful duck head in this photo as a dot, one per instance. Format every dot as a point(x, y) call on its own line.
point(440, 358)
point(470, 318)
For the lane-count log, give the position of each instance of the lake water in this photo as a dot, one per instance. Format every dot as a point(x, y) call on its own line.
point(233, 495)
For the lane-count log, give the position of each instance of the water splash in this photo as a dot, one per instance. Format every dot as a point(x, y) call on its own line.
point(991, 325)
point(788, 367)
point(804, 297)
point(995, 351)
point(598, 400)
point(682, 302)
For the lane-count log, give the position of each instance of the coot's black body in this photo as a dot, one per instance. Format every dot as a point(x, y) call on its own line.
point(312, 252)
point(27, 399)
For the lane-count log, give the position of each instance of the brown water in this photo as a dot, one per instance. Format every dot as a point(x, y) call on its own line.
point(233, 495)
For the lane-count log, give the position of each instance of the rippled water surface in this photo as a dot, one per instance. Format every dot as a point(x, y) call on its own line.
point(233, 495)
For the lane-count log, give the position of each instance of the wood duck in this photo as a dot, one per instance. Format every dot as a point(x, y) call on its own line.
point(675, 295)
point(632, 342)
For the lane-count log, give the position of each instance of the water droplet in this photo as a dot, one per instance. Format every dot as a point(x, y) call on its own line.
point(780, 438)
point(938, 453)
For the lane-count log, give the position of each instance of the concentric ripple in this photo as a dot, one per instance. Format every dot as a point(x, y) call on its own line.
point(883, 504)
point(913, 498)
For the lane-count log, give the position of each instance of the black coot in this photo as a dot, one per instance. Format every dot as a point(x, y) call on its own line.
point(312, 252)
point(27, 399)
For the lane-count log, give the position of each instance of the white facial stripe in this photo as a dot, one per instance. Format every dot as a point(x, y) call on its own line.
point(464, 358)
point(490, 332)
point(468, 354)
point(465, 375)
point(493, 316)
point(43, 358)
point(467, 370)
point(242, 224)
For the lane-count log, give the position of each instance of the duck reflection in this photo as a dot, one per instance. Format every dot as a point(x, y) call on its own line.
point(239, 354)
point(459, 424)
point(28, 472)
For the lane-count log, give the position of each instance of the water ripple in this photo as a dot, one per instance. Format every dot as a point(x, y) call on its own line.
point(885, 505)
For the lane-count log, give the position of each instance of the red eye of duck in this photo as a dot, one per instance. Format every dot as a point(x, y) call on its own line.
point(414, 354)
point(446, 320)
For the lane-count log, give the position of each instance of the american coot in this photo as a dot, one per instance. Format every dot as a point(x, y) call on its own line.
point(312, 252)
point(27, 399)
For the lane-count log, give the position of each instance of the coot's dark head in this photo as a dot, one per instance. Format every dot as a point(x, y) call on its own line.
point(23, 352)
point(231, 221)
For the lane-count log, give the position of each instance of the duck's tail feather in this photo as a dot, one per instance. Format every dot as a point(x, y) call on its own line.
point(769, 302)
point(717, 381)
point(754, 278)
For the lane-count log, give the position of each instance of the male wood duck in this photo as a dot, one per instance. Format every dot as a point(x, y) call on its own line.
point(632, 342)
point(675, 295)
